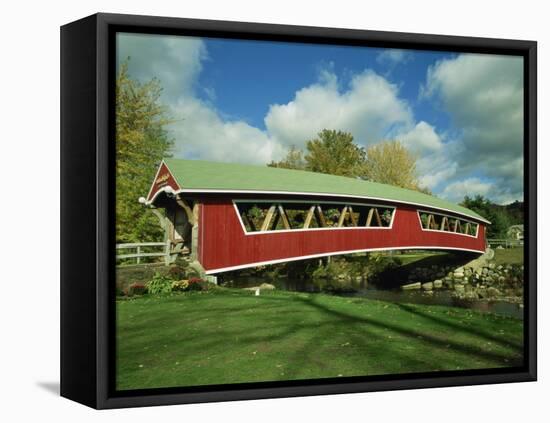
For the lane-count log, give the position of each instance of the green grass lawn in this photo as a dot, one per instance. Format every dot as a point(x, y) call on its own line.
point(509, 256)
point(232, 336)
point(425, 258)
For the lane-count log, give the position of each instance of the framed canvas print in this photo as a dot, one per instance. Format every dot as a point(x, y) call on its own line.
point(255, 211)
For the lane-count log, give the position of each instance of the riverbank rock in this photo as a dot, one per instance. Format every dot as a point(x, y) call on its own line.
point(493, 292)
point(473, 280)
point(481, 261)
point(267, 286)
point(410, 286)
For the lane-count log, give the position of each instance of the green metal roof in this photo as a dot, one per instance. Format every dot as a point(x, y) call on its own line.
point(204, 175)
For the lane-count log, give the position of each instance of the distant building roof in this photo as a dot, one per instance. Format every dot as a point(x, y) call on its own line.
point(198, 175)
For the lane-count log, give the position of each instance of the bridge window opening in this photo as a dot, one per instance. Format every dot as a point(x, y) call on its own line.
point(444, 223)
point(268, 216)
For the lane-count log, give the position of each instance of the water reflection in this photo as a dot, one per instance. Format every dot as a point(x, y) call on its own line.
point(359, 288)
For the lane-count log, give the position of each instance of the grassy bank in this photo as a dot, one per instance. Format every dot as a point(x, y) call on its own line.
point(508, 256)
point(231, 336)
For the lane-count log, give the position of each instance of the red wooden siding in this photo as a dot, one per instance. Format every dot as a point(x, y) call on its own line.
point(223, 243)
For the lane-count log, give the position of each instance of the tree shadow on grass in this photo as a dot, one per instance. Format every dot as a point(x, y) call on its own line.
point(362, 353)
point(482, 334)
point(360, 322)
point(411, 333)
point(365, 323)
point(309, 339)
point(365, 336)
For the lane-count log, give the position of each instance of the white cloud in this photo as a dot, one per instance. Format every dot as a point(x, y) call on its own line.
point(434, 164)
point(199, 130)
point(370, 108)
point(175, 61)
point(204, 134)
point(421, 139)
point(436, 170)
point(372, 111)
point(484, 97)
point(393, 56)
point(471, 187)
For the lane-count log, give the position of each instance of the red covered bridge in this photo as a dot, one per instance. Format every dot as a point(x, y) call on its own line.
point(232, 216)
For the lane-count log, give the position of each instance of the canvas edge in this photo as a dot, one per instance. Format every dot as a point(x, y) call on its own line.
point(78, 331)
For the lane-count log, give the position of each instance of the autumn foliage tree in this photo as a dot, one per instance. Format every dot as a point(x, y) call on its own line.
point(141, 143)
point(335, 153)
point(389, 162)
point(294, 159)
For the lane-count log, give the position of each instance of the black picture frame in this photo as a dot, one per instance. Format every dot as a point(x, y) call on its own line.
point(87, 208)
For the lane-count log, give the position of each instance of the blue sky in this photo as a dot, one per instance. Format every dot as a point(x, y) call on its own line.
point(249, 101)
point(278, 70)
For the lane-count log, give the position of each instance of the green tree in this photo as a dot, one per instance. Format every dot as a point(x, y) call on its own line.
point(389, 162)
point(497, 215)
point(334, 152)
point(294, 159)
point(141, 143)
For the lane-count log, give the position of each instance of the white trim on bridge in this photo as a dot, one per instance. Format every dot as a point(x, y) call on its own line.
point(337, 253)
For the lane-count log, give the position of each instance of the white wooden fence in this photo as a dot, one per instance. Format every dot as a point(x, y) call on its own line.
point(506, 243)
point(136, 251)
